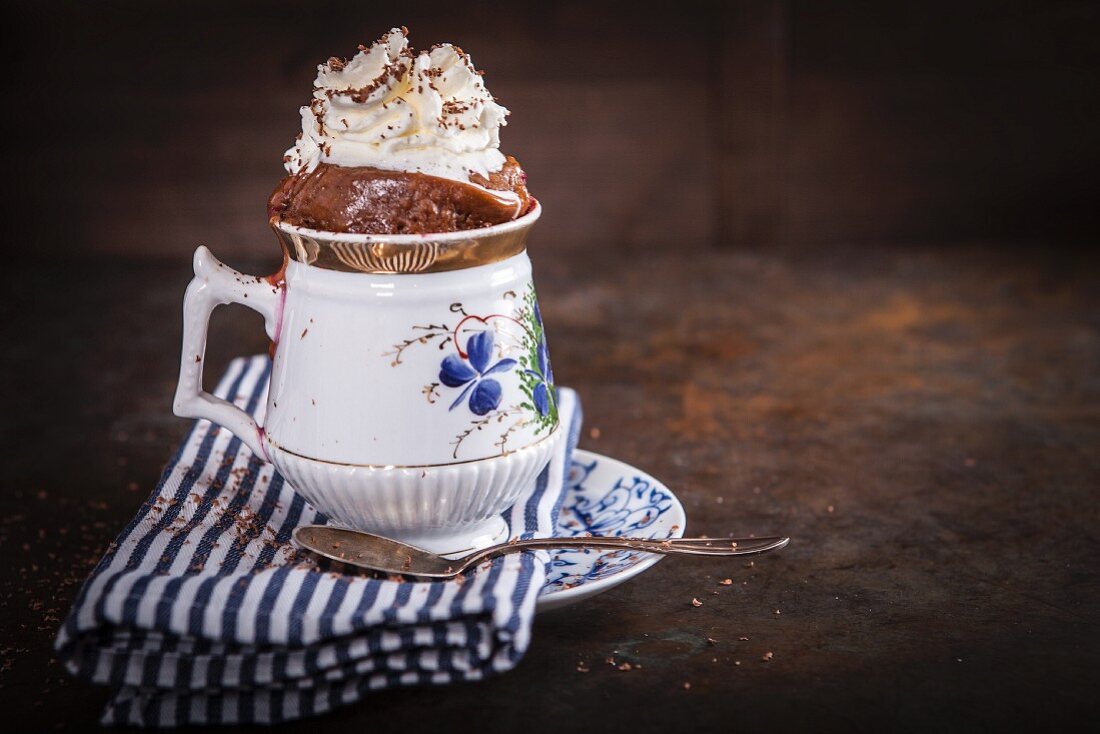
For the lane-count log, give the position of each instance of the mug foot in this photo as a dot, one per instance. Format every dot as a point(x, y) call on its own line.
point(459, 541)
point(446, 509)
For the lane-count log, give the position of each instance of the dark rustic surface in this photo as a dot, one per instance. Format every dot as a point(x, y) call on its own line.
point(923, 422)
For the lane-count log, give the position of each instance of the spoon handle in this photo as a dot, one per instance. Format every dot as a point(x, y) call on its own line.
point(671, 546)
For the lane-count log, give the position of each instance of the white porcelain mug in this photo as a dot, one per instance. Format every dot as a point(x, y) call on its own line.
point(411, 393)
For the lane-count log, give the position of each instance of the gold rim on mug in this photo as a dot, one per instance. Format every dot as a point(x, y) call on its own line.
point(528, 447)
point(392, 254)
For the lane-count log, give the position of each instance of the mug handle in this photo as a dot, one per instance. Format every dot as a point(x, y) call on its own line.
point(215, 284)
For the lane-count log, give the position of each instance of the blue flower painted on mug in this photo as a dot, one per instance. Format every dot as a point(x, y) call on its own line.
point(542, 382)
point(545, 380)
point(472, 374)
point(517, 331)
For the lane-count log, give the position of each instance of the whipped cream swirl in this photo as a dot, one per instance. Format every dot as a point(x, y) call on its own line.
point(393, 109)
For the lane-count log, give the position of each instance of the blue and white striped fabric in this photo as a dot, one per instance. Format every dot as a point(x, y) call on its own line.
point(201, 612)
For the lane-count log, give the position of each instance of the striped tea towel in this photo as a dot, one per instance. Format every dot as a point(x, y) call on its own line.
point(202, 612)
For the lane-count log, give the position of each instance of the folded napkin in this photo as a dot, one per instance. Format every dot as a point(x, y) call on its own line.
point(202, 612)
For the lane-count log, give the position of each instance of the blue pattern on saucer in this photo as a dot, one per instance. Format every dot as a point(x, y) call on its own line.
point(632, 505)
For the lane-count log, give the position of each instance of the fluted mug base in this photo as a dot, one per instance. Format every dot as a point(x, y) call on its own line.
point(458, 541)
point(444, 508)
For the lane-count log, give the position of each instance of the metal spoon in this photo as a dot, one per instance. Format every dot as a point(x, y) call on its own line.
point(376, 553)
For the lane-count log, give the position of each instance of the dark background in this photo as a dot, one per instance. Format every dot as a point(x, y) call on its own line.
point(825, 268)
point(143, 129)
